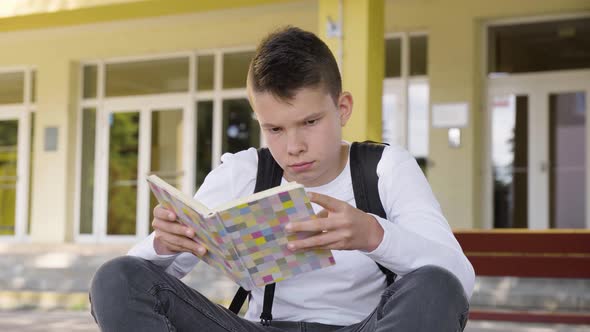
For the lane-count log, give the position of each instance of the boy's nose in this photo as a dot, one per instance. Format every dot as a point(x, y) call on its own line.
point(295, 143)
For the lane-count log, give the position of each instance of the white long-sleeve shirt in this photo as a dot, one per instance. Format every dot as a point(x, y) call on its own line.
point(415, 234)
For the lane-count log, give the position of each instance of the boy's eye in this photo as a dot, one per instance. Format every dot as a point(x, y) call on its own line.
point(312, 122)
point(275, 130)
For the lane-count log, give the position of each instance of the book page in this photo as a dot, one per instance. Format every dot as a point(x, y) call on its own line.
point(209, 230)
point(259, 195)
point(257, 229)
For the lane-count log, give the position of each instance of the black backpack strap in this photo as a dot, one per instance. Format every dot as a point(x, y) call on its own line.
point(269, 295)
point(268, 175)
point(364, 158)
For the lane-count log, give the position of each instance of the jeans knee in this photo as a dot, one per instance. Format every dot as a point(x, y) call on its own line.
point(113, 277)
point(435, 283)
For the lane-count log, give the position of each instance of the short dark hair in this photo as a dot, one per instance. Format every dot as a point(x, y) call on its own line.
point(290, 59)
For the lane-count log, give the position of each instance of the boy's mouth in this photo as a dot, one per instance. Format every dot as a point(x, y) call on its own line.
point(301, 167)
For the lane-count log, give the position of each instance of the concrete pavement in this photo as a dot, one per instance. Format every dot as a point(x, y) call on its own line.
point(81, 321)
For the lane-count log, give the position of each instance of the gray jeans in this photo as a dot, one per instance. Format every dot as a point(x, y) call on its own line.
point(132, 294)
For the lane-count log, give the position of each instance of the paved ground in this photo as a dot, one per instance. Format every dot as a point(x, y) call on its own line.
point(81, 321)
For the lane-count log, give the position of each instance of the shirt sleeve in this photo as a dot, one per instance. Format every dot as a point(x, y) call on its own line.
point(415, 232)
point(235, 177)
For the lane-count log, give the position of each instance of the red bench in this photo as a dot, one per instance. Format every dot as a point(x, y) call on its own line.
point(526, 253)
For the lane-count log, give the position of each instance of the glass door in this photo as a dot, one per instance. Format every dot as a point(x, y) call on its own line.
point(538, 138)
point(138, 141)
point(8, 175)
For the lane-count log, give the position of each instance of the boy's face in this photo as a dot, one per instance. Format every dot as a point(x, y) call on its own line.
point(304, 134)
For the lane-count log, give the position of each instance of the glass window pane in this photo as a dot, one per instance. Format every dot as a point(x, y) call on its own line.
point(418, 55)
point(90, 79)
point(235, 69)
point(205, 72)
point(123, 157)
point(31, 167)
point(392, 124)
point(8, 161)
point(543, 46)
point(393, 57)
point(166, 150)
point(33, 86)
point(418, 119)
point(12, 87)
point(87, 170)
point(240, 129)
point(510, 161)
point(147, 77)
point(567, 157)
point(204, 144)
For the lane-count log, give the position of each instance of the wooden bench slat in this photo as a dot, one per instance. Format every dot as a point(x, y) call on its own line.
point(526, 266)
point(524, 242)
point(530, 317)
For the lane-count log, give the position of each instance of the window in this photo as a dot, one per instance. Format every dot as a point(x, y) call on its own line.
point(406, 94)
point(540, 46)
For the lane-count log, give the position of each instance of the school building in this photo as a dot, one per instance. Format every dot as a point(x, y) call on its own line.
point(491, 97)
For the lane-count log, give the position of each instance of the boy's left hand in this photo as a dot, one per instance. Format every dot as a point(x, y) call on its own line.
point(340, 227)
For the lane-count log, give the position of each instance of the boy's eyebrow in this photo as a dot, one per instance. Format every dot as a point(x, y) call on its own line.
point(307, 118)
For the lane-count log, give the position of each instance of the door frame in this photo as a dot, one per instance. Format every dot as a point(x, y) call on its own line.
point(537, 87)
point(144, 105)
point(21, 114)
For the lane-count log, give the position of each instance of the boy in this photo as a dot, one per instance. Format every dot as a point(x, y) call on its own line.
point(294, 87)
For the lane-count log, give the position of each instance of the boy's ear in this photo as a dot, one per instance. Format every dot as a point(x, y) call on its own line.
point(345, 107)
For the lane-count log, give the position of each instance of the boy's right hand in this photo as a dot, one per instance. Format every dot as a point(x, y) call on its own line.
point(172, 237)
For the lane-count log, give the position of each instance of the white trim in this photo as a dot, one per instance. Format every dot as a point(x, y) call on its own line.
point(143, 170)
point(14, 69)
point(147, 57)
point(217, 111)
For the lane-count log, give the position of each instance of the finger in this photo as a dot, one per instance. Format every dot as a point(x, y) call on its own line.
point(314, 225)
point(323, 214)
point(162, 213)
point(327, 202)
point(183, 244)
point(172, 227)
point(321, 240)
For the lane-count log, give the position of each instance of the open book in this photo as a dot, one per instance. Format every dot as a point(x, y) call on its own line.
point(245, 238)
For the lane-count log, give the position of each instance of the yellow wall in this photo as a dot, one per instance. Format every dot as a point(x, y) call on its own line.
point(454, 60)
point(455, 72)
point(56, 52)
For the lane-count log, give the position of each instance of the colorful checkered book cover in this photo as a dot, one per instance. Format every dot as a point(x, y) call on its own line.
point(245, 238)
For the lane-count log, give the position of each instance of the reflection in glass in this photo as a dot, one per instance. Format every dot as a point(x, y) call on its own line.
point(166, 150)
point(33, 86)
point(391, 119)
point(393, 57)
point(205, 70)
point(567, 157)
point(510, 161)
point(147, 77)
point(123, 157)
point(418, 119)
point(87, 170)
point(418, 55)
point(90, 78)
point(204, 145)
point(8, 161)
point(12, 87)
point(235, 69)
point(240, 129)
